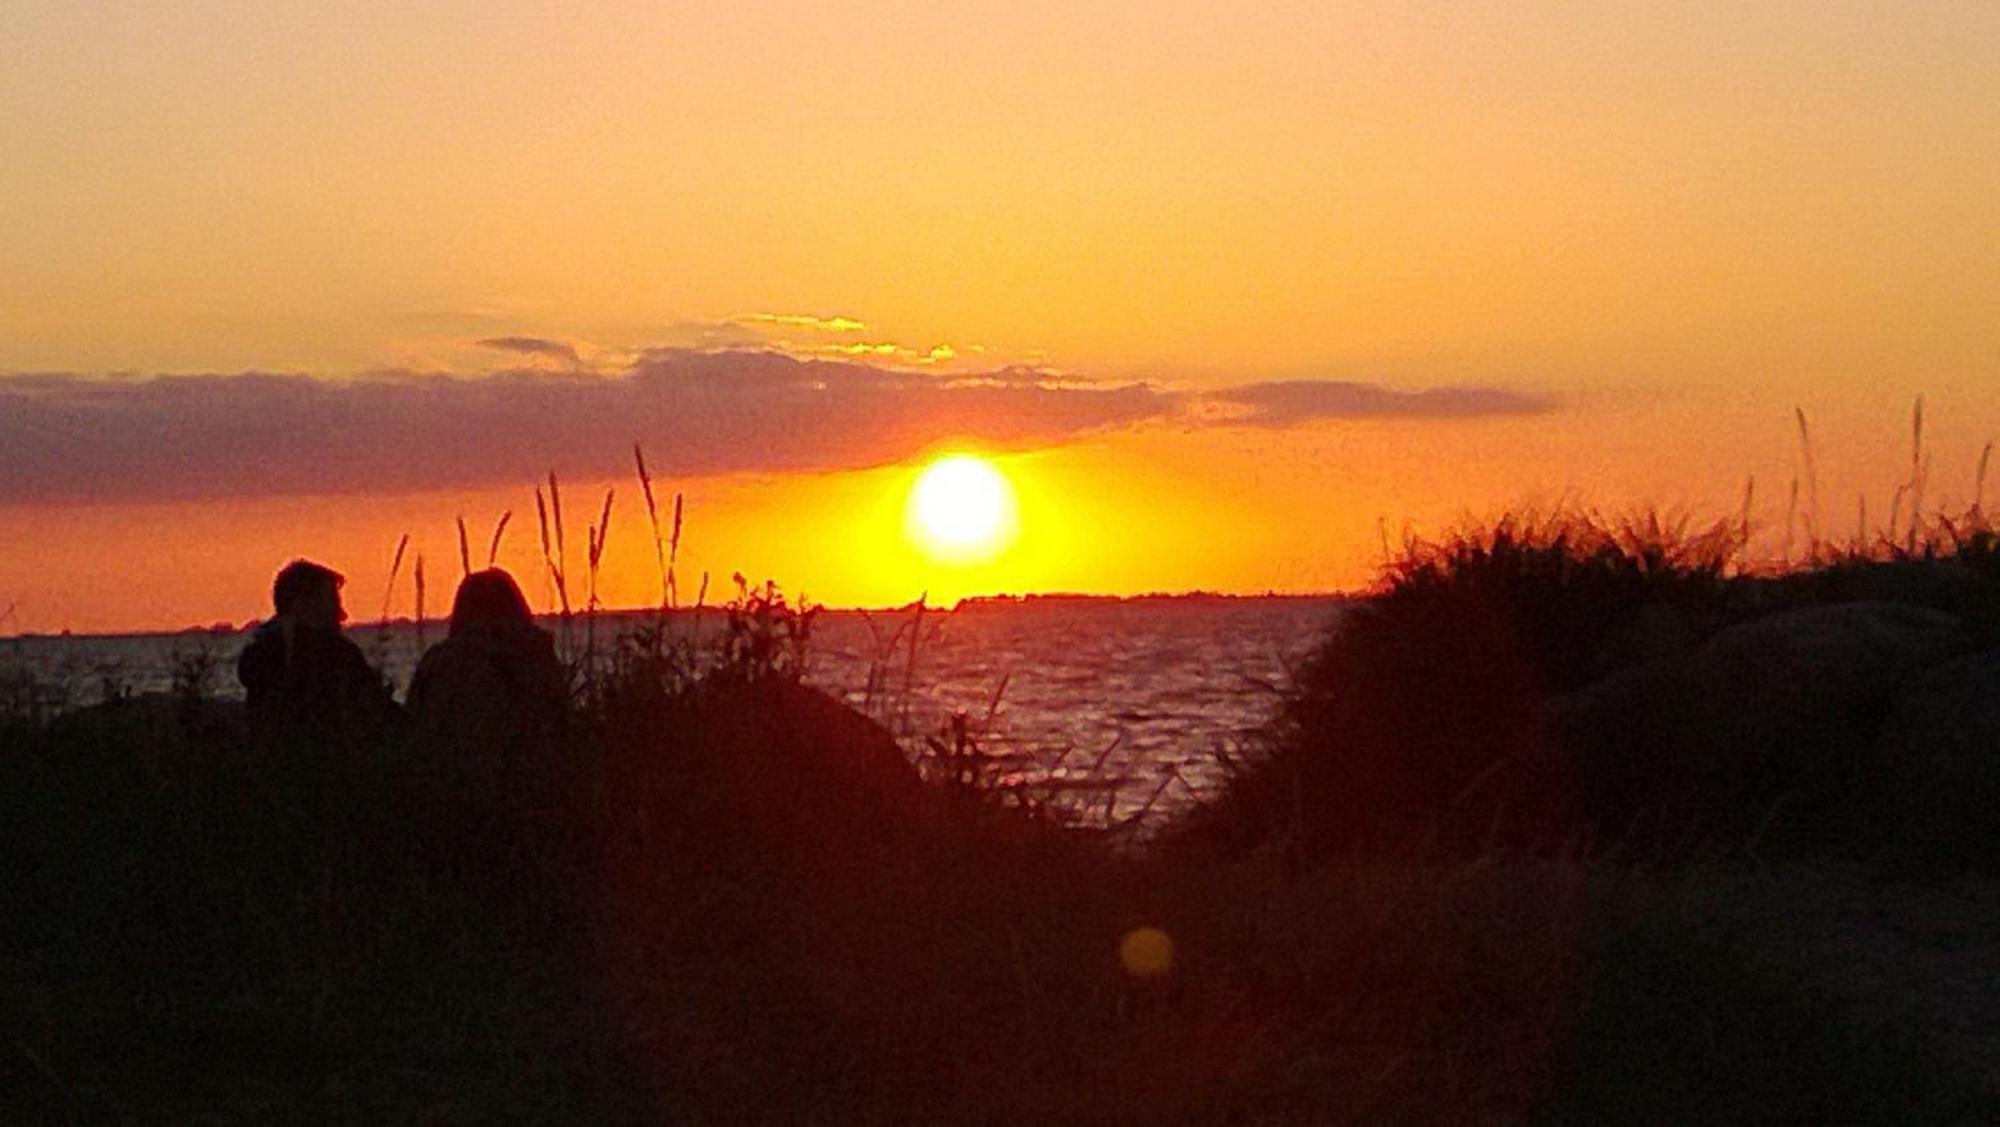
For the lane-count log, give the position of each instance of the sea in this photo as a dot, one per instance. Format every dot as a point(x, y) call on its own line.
point(1108, 711)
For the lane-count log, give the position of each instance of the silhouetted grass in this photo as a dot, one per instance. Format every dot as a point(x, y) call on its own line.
point(1430, 716)
point(1413, 717)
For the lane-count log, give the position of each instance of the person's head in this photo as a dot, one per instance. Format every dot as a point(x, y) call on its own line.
point(487, 598)
point(309, 593)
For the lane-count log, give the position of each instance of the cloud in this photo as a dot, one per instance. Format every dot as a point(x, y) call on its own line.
point(69, 438)
point(712, 336)
point(66, 438)
point(1285, 403)
point(534, 346)
point(806, 321)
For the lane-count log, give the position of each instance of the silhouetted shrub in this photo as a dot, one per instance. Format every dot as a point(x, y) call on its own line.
point(1427, 719)
point(1420, 717)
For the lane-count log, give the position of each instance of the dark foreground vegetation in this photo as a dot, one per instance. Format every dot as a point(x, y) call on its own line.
point(1567, 685)
point(1505, 857)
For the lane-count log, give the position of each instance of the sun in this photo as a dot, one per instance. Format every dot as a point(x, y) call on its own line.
point(961, 510)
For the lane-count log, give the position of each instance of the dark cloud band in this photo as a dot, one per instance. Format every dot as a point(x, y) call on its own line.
point(69, 438)
point(66, 438)
point(1289, 402)
point(534, 346)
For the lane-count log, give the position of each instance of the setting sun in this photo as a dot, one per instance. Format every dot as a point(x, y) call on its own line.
point(961, 510)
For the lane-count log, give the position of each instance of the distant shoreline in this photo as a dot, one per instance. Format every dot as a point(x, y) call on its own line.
point(971, 603)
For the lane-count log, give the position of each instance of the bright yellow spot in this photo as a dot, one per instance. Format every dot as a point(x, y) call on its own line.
point(961, 510)
point(1147, 952)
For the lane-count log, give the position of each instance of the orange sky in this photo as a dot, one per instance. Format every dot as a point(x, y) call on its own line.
point(1664, 226)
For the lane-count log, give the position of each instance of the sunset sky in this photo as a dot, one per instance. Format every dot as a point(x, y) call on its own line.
point(1219, 291)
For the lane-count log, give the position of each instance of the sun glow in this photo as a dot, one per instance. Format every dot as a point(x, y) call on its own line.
point(961, 510)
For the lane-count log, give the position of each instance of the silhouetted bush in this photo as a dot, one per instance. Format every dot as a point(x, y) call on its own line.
point(1436, 713)
point(1421, 716)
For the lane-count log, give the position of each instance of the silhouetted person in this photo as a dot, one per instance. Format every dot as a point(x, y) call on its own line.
point(487, 707)
point(492, 689)
point(301, 673)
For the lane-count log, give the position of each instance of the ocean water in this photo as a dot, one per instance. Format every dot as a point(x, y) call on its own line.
point(1108, 708)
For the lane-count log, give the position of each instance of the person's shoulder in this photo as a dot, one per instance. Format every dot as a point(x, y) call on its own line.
point(264, 646)
point(538, 649)
point(265, 635)
point(353, 670)
point(344, 650)
point(511, 642)
point(543, 642)
point(439, 658)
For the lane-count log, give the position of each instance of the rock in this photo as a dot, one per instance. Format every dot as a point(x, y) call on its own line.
point(1655, 632)
point(1948, 719)
point(1949, 585)
point(1761, 708)
point(810, 731)
point(1941, 754)
point(798, 762)
point(1773, 675)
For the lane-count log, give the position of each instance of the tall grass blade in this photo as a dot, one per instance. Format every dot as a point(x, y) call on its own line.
point(1979, 479)
point(542, 522)
point(555, 514)
point(590, 572)
point(1916, 499)
point(1896, 514)
point(1916, 437)
point(1812, 481)
point(1743, 521)
point(417, 572)
point(1791, 520)
point(603, 524)
point(597, 537)
point(542, 518)
point(674, 554)
point(653, 519)
point(1917, 474)
point(395, 568)
point(464, 550)
point(552, 554)
point(993, 703)
point(499, 529)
